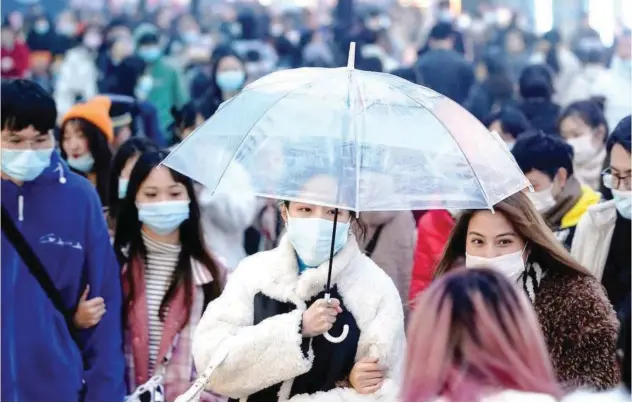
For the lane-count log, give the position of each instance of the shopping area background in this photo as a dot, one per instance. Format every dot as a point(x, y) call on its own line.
point(122, 83)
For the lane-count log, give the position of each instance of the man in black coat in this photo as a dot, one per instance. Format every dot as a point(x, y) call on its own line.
point(442, 68)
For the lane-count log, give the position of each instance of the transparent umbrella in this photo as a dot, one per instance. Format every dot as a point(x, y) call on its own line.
point(381, 142)
point(390, 144)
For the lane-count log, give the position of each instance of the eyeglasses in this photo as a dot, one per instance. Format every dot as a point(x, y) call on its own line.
point(613, 181)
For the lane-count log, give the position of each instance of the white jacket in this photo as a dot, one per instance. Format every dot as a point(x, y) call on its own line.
point(569, 68)
point(226, 215)
point(593, 235)
point(586, 84)
point(616, 87)
point(270, 352)
point(78, 75)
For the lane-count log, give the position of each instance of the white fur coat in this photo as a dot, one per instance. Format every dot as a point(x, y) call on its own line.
point(270, 353)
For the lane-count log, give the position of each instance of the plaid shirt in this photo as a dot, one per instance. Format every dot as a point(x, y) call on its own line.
point(180, 369)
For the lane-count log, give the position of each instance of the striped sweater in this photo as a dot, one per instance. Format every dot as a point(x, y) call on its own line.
point(162, 259)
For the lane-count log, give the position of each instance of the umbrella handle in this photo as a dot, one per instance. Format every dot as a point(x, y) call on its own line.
point(345, 329)
point(339, 339)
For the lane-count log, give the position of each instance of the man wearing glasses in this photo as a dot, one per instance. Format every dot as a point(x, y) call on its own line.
point(602, 239)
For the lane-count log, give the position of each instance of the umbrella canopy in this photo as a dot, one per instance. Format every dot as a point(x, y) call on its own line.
point(378, 142)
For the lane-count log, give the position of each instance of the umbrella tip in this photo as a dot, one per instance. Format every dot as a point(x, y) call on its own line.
point(351, 60)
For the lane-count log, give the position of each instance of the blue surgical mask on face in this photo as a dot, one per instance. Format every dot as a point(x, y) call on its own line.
point(149, 53)
point(311, 238)
point(230, 81)
point(41, 27)
point(623, 202)
point(82, 164)
point(25, 165)
point(163, 217)
point(122, 188)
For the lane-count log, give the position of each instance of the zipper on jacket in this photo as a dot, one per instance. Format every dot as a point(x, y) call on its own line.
point(21, 206)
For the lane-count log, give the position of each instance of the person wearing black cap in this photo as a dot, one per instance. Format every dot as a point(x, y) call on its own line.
point(603, 236)
point(442, 68)
point(547, 161)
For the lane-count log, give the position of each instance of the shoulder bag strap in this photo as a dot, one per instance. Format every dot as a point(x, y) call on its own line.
point(35, 266)
point(370, 248)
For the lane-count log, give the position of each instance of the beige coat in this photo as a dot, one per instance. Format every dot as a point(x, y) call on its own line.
point(593, 236)
point(395, 247)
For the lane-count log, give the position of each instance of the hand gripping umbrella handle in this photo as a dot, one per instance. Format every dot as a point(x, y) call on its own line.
point(345, 329)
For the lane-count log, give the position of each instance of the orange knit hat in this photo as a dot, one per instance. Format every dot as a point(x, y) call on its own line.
point(95, 111)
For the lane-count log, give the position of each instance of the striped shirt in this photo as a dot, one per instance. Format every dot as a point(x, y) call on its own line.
point(162, 259)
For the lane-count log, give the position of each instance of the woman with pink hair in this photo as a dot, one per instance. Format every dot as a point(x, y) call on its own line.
point(473, 337)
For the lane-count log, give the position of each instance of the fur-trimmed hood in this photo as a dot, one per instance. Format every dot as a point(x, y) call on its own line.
point(272, 352)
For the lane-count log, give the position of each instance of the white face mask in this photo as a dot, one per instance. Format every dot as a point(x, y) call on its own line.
point(623, 202)
point(542, 200)
point(311, 238)
point(583, 148)
point(511, 265)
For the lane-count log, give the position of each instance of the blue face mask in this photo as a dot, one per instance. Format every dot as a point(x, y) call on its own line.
point(163, 217)
point(311, 238)
point(230, 81)
point(41, 27)
point(149, 54)
point(623, 202)
point(122, 188)
point(25, 165)
point(82, 164)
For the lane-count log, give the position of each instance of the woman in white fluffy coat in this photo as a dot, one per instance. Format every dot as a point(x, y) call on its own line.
point(272, 315)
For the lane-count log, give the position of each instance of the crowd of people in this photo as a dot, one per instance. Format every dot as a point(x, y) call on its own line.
point(116, 268)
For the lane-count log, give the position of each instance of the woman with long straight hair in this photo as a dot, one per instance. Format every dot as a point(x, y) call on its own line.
point(168, 275)
point(473, 337)
point(577, 320)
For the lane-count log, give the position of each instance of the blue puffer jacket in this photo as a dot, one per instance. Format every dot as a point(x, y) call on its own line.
point(60, 215)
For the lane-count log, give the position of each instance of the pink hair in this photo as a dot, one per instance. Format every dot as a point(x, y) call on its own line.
point(472, 335)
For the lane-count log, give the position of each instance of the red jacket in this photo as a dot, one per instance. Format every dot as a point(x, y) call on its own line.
point(433, 232)
point(14, 63)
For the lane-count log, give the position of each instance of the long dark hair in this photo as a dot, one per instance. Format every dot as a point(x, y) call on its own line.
point(133, 146)
point(218, 56)
point(100, 150)
point(128, 242)
point(529, 225)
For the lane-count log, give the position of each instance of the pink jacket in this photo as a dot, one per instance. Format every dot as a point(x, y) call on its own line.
point(180, 370)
